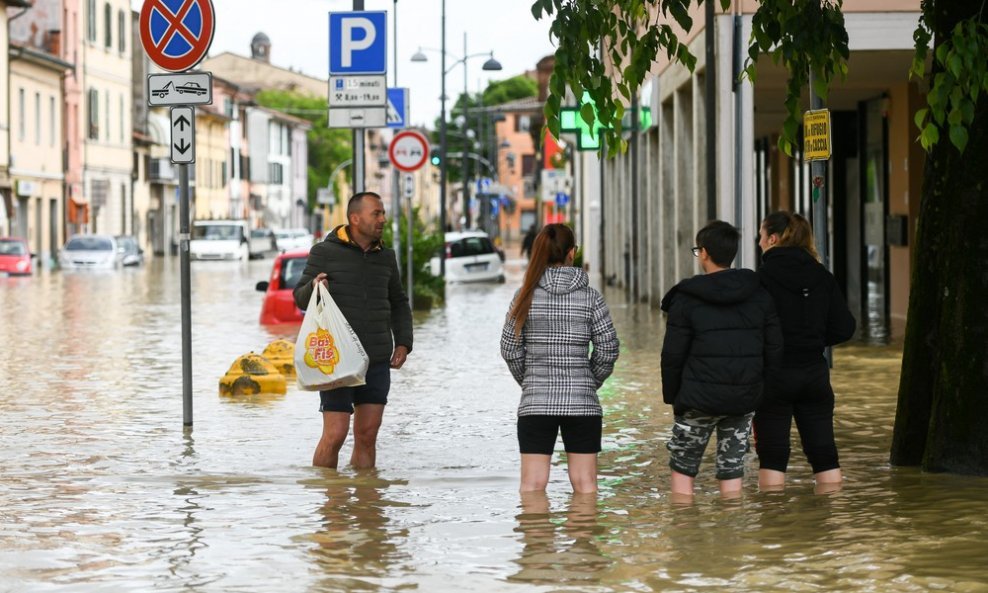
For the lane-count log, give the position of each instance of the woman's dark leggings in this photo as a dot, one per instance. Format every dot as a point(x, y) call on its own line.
point(803, 393)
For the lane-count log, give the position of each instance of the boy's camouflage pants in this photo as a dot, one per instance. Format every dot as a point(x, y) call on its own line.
point(689, 439)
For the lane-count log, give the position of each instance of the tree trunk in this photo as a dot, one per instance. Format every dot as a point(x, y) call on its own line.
point(943, 390)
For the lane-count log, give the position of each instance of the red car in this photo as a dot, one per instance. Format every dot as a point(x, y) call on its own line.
point(279, 304)
point(15, 257)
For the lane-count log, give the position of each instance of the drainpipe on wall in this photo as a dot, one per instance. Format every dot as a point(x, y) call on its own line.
point(10, 155)
point(738, 132)
point(710, 106)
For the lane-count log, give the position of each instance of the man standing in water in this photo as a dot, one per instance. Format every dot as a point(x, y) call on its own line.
point(362, 277)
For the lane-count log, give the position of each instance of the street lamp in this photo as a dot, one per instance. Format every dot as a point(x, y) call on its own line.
point(490, 64)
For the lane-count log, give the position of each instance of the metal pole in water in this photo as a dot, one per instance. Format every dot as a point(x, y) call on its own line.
point(409, 190)
point(183, 241)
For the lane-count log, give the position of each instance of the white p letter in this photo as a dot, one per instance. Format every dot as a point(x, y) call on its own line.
point(351, 45)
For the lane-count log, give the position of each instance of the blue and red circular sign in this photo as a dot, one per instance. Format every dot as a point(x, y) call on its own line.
point(176, 34)
point(408, 151)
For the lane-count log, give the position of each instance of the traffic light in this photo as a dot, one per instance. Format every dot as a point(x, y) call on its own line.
point(434, 156)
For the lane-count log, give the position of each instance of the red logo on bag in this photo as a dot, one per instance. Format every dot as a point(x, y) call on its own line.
point(321, 351)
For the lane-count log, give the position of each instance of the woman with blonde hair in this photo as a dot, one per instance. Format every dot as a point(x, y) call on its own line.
point(813, 315)
point(553, 319)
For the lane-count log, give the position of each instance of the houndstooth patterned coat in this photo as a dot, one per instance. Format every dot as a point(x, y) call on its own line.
point(551, 359)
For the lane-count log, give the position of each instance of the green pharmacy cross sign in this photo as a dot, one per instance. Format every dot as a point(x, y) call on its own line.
point(587, 137)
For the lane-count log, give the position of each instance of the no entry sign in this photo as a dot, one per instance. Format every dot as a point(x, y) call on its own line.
point(408, 151)
point(176, 34)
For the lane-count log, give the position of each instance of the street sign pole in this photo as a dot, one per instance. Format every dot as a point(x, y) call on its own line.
point(186, 274)
point(818, 190)
point(409, 221)
point(159, 25)
point(358, 138)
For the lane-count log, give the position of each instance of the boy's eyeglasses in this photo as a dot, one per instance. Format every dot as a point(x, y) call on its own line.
point(696, 251)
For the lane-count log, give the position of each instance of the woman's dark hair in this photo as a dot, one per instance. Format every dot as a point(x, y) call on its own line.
point(793, 231)
point(552, 245)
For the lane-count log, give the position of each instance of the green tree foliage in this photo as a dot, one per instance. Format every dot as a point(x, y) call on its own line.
point(497, 92)
point(803, 37)
point(328, 147)
point(961, 77)
point(425, 244)
point(502, 91)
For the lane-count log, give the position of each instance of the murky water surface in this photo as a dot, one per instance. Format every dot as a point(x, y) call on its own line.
point(100, 489)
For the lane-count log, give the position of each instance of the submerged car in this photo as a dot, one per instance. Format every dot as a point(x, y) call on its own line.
point(219, 240)
point(470, 257)
point(90, 252)
point(279, 303)
point(262, 243)
point(15, 257)
point(131, 253)
point(289, 239)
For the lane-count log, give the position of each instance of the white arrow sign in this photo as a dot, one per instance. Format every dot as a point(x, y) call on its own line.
point(183, 147)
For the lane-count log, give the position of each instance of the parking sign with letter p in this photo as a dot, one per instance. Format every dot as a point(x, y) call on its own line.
point(358, 42)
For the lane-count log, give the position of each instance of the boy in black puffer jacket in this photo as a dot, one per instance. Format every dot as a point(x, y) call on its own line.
point(722, 337)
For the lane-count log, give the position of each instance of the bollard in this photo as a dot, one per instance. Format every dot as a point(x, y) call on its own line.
point(251, 374)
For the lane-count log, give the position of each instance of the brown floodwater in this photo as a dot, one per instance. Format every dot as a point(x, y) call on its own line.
point(102, 490)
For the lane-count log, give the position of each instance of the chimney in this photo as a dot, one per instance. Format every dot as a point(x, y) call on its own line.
point(54, 45)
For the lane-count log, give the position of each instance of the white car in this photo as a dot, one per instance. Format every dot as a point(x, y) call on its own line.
point(90, 252)
point(290, 239)
point(219, 239)
point(470, 257)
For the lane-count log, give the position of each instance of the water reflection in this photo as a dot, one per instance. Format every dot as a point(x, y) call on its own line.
point(356, 544)
point(100, 489)
point(559, 548)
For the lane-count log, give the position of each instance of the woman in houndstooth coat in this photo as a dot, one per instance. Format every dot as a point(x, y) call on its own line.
point(553, 319)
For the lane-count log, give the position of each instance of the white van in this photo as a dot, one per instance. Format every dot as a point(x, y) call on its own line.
point(219, 239)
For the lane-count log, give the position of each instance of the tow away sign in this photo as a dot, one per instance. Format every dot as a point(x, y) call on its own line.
point(180, 89)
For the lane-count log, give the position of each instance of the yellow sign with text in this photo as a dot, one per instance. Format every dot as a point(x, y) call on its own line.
point(816, 135)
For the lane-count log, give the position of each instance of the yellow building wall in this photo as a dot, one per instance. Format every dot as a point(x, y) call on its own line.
point(36, 152)
point(212, 149)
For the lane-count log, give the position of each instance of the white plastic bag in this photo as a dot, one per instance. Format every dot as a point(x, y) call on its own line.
point(328, 353)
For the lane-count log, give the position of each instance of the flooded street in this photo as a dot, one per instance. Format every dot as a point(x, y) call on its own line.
point(100, 489)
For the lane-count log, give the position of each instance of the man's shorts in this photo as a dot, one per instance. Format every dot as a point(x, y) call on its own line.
point(690, 435)
point(537, 434)
point(374, 392)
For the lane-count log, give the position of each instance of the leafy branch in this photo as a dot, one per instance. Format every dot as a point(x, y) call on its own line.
point(960, 75)
point(605, 46)
point(803, 37)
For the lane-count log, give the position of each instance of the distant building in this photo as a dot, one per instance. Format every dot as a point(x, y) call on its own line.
point(7, 214)
point(258, 72)
point(36, 149)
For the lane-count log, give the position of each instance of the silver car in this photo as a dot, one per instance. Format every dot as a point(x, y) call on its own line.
point(131, 253)
point(90, 252)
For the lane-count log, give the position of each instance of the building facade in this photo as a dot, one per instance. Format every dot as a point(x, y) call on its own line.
point(105, 61)
point(36, 149)
point(639, 229)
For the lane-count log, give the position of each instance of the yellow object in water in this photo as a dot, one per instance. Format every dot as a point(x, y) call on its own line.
point(281, 353)
point(252, 374)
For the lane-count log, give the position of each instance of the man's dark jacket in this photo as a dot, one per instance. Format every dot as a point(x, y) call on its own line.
point(722, 337)
point(366, 287)
point(810, 304)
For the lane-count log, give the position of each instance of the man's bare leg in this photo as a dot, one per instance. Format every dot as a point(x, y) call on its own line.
point(366, 423)
point(335, 426)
